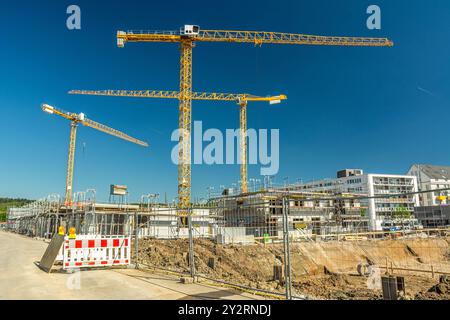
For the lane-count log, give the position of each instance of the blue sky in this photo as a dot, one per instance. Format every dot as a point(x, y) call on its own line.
point(380, 109)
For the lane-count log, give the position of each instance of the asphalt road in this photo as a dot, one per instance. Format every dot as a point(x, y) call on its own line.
point(20, 278)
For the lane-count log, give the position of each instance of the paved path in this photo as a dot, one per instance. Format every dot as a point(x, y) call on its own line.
point(20, 278)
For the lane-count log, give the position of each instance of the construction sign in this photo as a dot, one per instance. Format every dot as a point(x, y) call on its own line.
point(86, 251)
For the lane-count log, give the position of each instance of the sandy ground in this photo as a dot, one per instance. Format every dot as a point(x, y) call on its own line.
point(322, 270)
point(20, 278)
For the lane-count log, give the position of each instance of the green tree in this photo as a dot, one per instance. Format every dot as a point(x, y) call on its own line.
point(402, 213)
point(363, 211)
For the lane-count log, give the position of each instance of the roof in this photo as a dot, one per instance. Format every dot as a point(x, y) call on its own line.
point(435, 172)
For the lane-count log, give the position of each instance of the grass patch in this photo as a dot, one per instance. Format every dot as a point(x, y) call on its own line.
point(6, 203)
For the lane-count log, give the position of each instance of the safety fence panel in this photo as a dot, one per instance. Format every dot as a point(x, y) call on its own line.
point(93, 251)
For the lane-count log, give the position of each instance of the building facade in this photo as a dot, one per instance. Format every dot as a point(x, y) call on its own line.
point(433, 216)
point(430, 178)
point(382, 191)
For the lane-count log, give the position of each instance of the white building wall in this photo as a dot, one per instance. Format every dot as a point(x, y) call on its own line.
point(365, 184)
point(163, 224)
point(382, 184)
point(425, 183)
point(371, 204)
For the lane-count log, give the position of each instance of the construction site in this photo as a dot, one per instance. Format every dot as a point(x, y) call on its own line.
point(358, 236)
point(252, 242)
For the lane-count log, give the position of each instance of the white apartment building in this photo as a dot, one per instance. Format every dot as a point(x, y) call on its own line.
point(429, 178)
point(375, 186)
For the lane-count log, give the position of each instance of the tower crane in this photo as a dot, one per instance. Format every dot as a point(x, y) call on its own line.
point(76, 119)
point(241, 99)
point(186, 37)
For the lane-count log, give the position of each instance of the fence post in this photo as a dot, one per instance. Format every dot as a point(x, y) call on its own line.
point(191, 245)
point(136, 240)
point(287, 253)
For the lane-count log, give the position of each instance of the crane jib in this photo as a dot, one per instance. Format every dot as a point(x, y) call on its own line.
point(251, 37)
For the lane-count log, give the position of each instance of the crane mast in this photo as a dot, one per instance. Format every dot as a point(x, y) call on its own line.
point(71, 161)
point(243, 144)
point(185, 125)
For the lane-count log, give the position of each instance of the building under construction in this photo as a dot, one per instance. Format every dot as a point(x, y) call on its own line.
point(226, 219)
point(309, 213)
point(43, 217)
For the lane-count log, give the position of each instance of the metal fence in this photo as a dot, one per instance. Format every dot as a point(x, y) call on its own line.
point(281, 245)
point(276, 243)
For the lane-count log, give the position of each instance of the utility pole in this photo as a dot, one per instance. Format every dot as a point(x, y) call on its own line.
point(287, 252)
point(136, 239)
point(191, 246)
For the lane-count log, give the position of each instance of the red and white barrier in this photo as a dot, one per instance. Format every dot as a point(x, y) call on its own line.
point(95, 251)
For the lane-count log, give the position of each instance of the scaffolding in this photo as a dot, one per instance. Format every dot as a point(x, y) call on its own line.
point(148, 219)
point(259, 215)
point(244, 219)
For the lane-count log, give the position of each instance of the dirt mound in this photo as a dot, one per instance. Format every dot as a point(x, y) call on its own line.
point(336, 287)
point(325, 270)
point(343, 257)
point(251, 265)
point(440, 291)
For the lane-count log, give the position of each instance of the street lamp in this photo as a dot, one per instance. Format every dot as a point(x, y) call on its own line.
point(286, 182)
point(234, 185)
point(257, 182)
point(254, 183)
point(209, 192)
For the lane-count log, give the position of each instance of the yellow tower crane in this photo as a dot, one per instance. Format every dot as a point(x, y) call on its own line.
point(187, 37)
point(75, 119)
point(241, 99)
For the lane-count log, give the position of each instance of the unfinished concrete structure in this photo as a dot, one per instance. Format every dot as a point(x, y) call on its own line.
point(260, 214)
point(43, 217)
point(228, 219)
